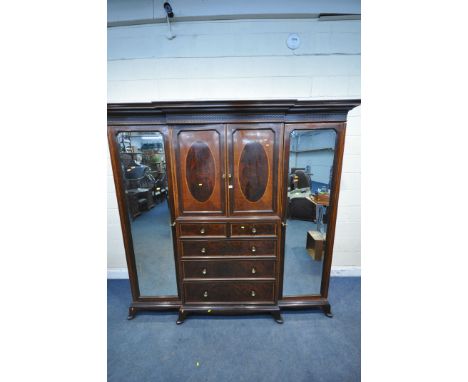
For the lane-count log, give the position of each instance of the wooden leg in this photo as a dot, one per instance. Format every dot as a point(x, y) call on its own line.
point(131, 313)
point(181, 318)
point(327, 311)
point(277, 317)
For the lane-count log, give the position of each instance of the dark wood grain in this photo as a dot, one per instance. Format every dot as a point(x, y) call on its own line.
point(208, 269)
point(253, 162)
point(200, 161)
point(203, 229)
point(235, 111)
point(200, 171)
point(333, 209)
point(224, 291)
point(206, 248)
point(253, 171)
point(253, 229)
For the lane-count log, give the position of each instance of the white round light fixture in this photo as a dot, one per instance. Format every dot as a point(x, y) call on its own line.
point(293, 41)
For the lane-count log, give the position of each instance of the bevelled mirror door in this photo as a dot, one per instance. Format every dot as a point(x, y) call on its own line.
point(143, 165)
point(311, 158)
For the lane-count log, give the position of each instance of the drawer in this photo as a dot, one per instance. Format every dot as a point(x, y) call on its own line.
point(248, 292)
point(253, 229)
point(228, 248)
point(203, 229)
point(229, 268)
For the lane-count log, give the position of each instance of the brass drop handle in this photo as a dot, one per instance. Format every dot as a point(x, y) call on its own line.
point(205, 294)
point(254, 270)
point(254, 230)
point(202, 231)
point(204, 271)
point(253, 249)
point(252, 293)
point(203, 250)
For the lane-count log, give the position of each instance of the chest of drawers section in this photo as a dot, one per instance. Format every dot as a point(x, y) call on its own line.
point(228, 263)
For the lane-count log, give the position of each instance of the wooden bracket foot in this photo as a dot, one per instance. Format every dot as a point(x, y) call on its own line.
point(327, 311)
point(277, 317)
point(131, 313)
point(181, 318)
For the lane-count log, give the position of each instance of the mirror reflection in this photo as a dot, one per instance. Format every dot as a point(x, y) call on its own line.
point(309, 180)
point(143, 165)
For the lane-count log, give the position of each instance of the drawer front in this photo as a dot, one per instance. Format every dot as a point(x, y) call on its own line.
point(224, 292)
point(253, 229)
point(203, 229)
point(228, 248)
point(229, 268)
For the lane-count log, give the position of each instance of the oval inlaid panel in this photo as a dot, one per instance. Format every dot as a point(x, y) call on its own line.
point(253, 171)
point(200, 171)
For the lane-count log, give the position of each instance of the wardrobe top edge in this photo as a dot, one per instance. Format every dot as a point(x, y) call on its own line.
point(223, 106)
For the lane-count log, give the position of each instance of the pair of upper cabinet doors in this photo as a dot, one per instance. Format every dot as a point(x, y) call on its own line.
point(227, 169)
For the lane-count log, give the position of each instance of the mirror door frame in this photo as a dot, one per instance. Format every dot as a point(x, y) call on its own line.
point(142, 302)
point(305, 301)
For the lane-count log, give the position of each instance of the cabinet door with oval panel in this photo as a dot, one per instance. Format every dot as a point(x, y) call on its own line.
point(253, 168)
point(200, 169)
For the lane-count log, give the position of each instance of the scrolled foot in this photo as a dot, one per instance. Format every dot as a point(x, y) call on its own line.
point(327, 311)
point(277, 317)
point(181, 318)
point(131, 313)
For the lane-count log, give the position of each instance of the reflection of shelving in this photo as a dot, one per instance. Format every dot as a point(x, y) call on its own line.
point(125, 143)
point(160, 191)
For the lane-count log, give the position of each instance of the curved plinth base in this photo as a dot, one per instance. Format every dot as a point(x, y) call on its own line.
point(148, 306)
point(275, 311)
point(312, 303)
point(229, 311)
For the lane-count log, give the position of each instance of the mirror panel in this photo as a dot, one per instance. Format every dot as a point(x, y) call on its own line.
point(143, 166)
point(309, 179)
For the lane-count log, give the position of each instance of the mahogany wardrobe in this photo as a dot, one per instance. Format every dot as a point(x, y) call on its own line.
point(228, 207)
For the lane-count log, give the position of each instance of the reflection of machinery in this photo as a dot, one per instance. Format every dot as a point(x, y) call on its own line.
point(143, 186)
point(299, 207)
point(140, 176)
point(144, 170)
point(299, 179)
point(139, 185)
point(140, 199)
point(160, 187)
